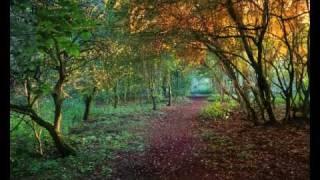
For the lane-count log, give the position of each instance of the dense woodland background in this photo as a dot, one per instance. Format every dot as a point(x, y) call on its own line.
point(83, 72)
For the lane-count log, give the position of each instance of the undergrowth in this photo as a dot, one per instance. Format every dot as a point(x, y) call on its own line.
point(108, 131)
point(218, 110)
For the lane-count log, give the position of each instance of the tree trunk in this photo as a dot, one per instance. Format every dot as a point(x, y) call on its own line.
point(242, 92)
point(153, 98)
point(259, 103)
point(125, 94)
point(169, 95)
point(221, 91)
point(58, 101)
point(251, 112)
point(116, 99)
point(265, 95)
point(266, 99)
point(164, 86)
point(154, 104)
point(164, 91)
point(256, 63)
point(63, 148)
point(288, 109)
point(37, 136)
point(306, 103)
point(88, 102)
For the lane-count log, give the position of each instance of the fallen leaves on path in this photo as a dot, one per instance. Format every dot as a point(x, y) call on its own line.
point(179, 145)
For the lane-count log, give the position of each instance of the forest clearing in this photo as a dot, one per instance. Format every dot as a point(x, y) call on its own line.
point(130, 89)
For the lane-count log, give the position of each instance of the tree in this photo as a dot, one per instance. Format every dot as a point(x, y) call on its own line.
point(234, 31)
point(59, 33)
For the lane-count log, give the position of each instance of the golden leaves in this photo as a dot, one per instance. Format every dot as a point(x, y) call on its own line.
point(214, 21)
point(137, 20)
point(193, 53)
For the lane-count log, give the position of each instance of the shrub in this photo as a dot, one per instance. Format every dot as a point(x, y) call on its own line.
point(213, 111)
point(217, 97)
point(217, 110)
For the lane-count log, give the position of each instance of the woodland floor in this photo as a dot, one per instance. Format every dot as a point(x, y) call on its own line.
point(179, 145)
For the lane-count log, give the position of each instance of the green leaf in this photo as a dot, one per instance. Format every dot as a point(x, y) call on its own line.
point(64, 42)
point(74, 51)
point(85, 35)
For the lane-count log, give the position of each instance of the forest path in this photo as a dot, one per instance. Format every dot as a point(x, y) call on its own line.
point(178, 145)
point(172, 147)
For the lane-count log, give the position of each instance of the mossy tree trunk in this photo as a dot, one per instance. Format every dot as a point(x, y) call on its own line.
point(88, 101)
point(63, 148)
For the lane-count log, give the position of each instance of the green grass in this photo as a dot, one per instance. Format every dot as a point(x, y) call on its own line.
point(73, 111)
point(109, 131)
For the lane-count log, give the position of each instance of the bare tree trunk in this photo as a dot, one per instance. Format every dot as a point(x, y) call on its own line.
point(115, 96)
point(88, 102)
point(288, 108)
point(169, 95)
point(153, 97)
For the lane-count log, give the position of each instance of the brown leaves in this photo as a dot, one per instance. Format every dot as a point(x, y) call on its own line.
point(231, 149)
point(259, 152)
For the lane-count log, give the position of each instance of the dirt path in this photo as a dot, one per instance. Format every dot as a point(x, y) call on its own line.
point(180, 146)
point(172, 146)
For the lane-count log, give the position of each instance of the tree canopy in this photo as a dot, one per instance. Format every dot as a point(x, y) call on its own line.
point(254, 53)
